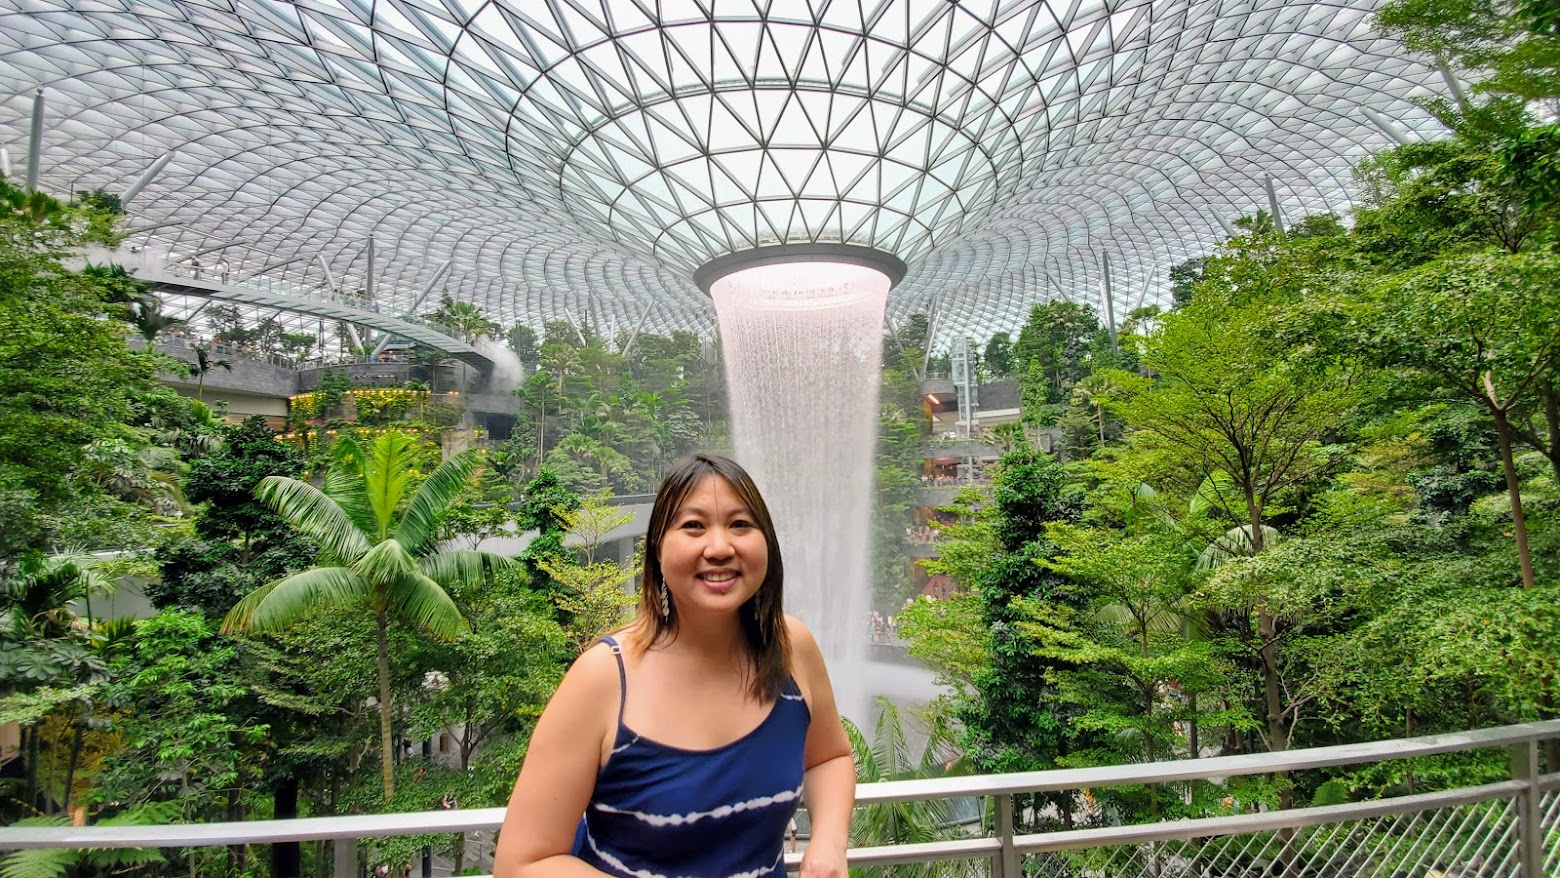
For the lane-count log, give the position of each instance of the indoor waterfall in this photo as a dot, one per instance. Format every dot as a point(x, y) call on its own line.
point(802, 346)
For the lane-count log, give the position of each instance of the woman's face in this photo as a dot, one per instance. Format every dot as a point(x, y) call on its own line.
point(713, 554)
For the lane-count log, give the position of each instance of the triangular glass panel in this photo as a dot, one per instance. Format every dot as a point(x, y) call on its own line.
point(792, 127)
point(743, 167)
point(776, 219)
point(850, 169)
point(858, 131)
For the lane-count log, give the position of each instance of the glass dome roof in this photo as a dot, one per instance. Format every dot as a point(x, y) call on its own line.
point(579, 159)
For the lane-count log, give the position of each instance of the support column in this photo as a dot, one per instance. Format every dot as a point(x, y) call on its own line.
point(330, 280)
point(344, 856)
point(1387, 127)
point(1278, 215)
point(1229, 228)
point(35, 143)
point(1530, 829)
point(330, 284)
point(417, 303)
point(368, 281)
point(931, 333)
point(145, 178)
point(1007, 861)
point(1452, 82)
point(634, 336)
point(1110, 301)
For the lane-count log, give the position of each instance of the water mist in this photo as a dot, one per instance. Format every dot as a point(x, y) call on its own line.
point(802, 344)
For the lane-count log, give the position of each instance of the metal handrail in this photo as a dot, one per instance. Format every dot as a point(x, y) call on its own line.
point(1003, 848)
point(1203, 769)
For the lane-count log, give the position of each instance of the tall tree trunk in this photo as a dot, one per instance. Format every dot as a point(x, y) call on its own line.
point(32, 752)
point(1503, 436)
point(386, 745)
point(1267, 650)
point(184, 795)
point(1546, 390)
point(286, 856)
point(1151, 753)
point(238, 854)
point(76, 741)
point(1267, 630)
point(1191, 726)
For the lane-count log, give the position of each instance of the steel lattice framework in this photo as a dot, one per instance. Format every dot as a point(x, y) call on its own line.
point(578, 159)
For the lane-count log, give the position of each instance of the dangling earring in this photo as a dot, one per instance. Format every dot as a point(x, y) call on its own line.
point(760, 619)
point(666, 601)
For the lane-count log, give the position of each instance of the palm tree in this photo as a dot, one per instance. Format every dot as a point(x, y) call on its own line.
point(467, 320)
point(560, 362)
point(203, 364)
point(610, 463)
point(376, 546)
point(1095, 390)
point(149, 320)
point(888, 757)
point(37, 616)
point(32, 207)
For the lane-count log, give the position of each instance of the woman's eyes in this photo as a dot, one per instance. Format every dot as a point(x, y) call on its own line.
point(695, 524)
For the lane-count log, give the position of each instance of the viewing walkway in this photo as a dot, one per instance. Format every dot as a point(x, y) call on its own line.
point(1509, 828)
point(265, 292)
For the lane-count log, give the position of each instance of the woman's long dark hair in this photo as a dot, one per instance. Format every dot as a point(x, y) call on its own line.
point(762, 617)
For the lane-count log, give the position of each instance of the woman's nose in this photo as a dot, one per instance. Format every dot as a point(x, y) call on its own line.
point(718, 545)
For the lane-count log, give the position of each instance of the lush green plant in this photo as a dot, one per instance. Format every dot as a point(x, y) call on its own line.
point(378, 540)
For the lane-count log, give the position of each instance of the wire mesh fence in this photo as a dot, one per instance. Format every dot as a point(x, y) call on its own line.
point(1465, 841)
point(1549, 819)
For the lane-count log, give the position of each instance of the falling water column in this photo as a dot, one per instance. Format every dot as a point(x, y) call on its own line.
point(802, 344)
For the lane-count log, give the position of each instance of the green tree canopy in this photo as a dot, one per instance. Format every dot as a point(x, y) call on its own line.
point(379, 545)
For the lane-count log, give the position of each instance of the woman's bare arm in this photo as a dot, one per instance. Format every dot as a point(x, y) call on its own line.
point(829, 781)
point(559, 774)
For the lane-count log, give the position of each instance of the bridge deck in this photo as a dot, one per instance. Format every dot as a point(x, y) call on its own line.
point(286, 296)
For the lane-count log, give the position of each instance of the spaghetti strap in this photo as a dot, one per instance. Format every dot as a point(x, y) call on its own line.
point(617, 653)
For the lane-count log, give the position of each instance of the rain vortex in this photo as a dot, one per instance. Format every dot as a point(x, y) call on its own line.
point(802, 343)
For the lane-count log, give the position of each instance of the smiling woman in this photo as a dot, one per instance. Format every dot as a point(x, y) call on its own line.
point(682, 744)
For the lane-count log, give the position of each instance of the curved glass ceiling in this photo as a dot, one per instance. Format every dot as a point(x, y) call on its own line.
point(578, 159)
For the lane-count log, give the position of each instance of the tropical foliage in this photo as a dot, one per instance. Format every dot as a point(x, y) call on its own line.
point(378, 540)
point(1314, 500)
point(1324, 486)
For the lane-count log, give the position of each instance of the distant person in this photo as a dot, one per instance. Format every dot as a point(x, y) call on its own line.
point(686, 739)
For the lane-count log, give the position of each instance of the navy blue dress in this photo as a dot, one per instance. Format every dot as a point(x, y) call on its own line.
point(665, 812)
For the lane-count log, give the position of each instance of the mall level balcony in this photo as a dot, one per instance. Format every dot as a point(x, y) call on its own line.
point(1506, 829)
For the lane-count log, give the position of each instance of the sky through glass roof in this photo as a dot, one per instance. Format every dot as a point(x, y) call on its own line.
point(578, 159)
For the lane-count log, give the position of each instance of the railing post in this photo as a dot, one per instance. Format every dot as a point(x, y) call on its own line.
point(1530, 830)
point(345, 856)
point(1006, 862)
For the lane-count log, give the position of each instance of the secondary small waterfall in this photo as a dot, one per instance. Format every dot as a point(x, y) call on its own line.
point(802, 344)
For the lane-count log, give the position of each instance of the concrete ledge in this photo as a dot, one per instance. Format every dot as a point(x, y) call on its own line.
point(250, 377)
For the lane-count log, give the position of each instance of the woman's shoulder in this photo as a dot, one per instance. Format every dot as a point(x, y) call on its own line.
point(806, 657)
point(800, 635)
point(592, 677)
